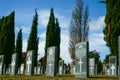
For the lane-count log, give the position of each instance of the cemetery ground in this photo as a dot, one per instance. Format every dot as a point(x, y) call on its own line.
point(58, 77)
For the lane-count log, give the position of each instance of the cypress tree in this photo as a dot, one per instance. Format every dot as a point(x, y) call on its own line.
point(33, 40)
point(50, 32)
point(53, 35)
point(7, 38)
point(112, 28)
point(57, 40)
point(18, 47)
point(1, 22)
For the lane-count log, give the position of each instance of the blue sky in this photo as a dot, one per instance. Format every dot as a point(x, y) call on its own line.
point(24, 12)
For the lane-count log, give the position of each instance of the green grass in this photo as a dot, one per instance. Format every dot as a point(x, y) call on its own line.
point(58, 77)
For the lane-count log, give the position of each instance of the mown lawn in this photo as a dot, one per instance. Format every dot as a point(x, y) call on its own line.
point(58, 77)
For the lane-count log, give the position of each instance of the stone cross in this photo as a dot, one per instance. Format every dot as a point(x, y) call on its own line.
point(50, 65)
point(28, 63)
point(13, 64)
point(80, 65)
point(113, 67)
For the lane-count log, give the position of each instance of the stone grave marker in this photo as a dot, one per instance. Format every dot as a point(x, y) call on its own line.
point(96, 69)
point(61, 66)
point(92, 66)
point(35, 70)
point(113, 65)
point(51, 66)
point(1, 64)
point(22, 69)
point(107, 70)
point(30, 63)
point(14, 64)
point(65, 69)
point(81, 64)
point(104, 67)
point(8, 69)
point(72, 67)
point(42, 70)
point(39, 68)
point(119, 56)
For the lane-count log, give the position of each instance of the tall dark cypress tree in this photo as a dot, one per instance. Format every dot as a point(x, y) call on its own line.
point(57, 39)
point(50, 32)
point(7, 38)
point(33, 39)
point(1, 22)
point(18, 47)
point(53, 35)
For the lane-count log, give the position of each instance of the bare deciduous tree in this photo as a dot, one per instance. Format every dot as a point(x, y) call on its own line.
point(79, 26)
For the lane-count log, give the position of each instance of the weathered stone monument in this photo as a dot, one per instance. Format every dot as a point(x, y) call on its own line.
point(51, 66)
point(107, 70)
point(30, 63)
point(119, 56)
point(81, 64)
point(35, 70)
point(22, 69)
point(14, 64)
point(39, 68)
point(8, 69)
point(92, 66)
point(113, 65)
point(1, 64)
point(61, 66)
point(65, 69)
point(72, 67)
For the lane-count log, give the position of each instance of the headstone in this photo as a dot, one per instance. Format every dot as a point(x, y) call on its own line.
point(104, 67)
point(107, 70)
point(61, 66)
point(92, 66)
point(14, 64)
point(22, 69)
point(1, 64)
point(65, 69)
point(30, 63)
point(81, 64)
point(35, 70)
point(119, 55)
point(113, 65)
point(42, 70)
point(96, 69)
point(39, 68)
point(8, 69)
point(72, 67)
point(51, 66)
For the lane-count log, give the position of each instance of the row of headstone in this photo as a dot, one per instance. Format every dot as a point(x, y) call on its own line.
point(13, 68)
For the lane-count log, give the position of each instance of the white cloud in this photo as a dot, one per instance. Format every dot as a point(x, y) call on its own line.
point(25, 29)
point(44, 17)
point(96, 37)
point(24, 45)
point(97, 24)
